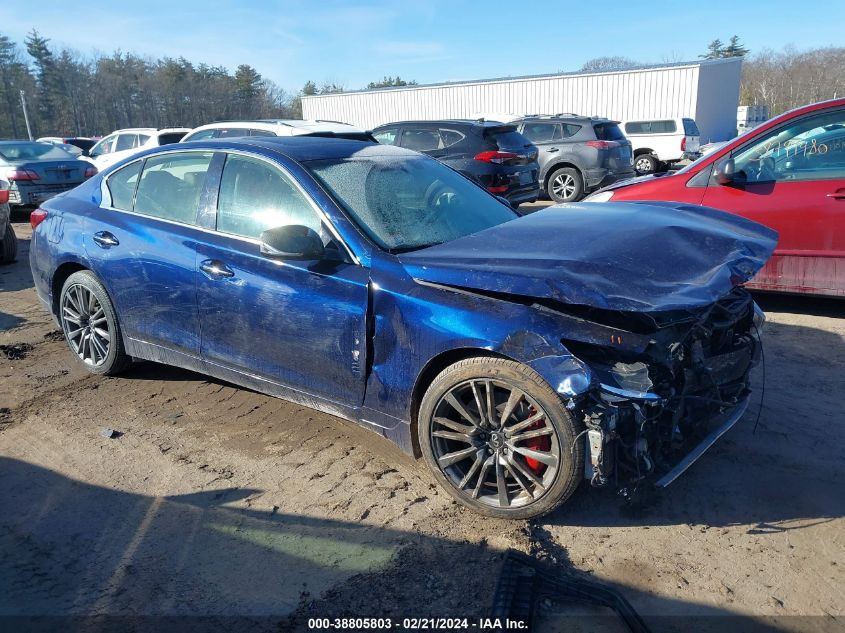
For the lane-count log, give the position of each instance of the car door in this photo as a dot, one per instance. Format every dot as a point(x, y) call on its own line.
point(123, 147)
point(142, 243)
point(296, 323)
point(792, 179)
point(99, 154)
point(548, 137)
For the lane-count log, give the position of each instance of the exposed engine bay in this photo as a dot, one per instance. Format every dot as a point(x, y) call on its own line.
point(661, 393)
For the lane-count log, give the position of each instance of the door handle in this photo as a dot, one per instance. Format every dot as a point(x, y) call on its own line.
point(552, 149)
point(839, 194)
point(215, 269)
point(104, 239)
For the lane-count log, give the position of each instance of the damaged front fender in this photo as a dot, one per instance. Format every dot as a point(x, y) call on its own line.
point(564, 373)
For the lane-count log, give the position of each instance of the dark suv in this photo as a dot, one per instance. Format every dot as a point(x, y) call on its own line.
point(578, 154)
point(493, 154)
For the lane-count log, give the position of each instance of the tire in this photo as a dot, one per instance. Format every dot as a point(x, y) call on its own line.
point(9, 251)
point(478, 462)
point(84, 310)
point(645, 164)
point(565, 185)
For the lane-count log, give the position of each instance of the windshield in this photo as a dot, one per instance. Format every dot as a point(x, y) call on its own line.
point(33, 151)
point(408, 202)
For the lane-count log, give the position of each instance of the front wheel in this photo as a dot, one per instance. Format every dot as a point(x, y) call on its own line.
point(499, 440)
point(90, 324)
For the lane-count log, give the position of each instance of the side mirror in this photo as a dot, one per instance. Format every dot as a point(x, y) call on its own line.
point(726, 172)
point(292, 242)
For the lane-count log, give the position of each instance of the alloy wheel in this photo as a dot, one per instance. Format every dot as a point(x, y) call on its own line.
point(563, 186)
point(85, 325)
point(495, 444)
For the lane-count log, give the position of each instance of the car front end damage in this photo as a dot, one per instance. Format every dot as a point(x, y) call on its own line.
point(665, 387)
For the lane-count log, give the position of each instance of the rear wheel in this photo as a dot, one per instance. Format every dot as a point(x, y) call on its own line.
point(646, 164)
point(499, 440)
point(9, 250)
point(565, 185)
point(90, 324)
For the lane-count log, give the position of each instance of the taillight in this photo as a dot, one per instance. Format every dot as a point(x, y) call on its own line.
point(22, 174)
point(4, 196)
point(496, 157)
point(602, 144)
point(37, 217)
point(684, 144)
point(498, 189)
point(90, 171)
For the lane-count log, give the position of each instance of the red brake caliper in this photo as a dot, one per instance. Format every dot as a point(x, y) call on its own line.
point(542, 443)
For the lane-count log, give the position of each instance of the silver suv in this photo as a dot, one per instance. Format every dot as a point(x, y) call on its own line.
point(577, 154)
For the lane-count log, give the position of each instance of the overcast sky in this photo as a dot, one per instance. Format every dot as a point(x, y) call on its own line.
point(352, 43)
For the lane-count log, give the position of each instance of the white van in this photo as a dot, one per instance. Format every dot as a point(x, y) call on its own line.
point(657, 143)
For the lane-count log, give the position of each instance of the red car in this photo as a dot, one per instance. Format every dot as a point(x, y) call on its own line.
point(788, 174)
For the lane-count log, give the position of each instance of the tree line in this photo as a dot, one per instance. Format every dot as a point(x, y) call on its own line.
point(69, 94)
point(780, 80)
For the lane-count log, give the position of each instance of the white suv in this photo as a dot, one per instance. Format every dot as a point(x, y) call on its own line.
point(658, 143)
point(123, 143)
point(277, 127)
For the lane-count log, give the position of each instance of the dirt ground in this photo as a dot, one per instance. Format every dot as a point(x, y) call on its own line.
point(216, 501)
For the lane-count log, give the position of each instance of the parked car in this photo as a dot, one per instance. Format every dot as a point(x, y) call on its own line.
point(38, 171)
point(381, 286)
point(577, 154)
point(9, 243)
point(277, 127)
point(789, 174)
point(490, 153)
point(124, 143)
point(77, 145)
point(660, 143)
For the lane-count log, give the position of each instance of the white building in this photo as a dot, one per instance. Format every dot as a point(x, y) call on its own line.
point(707, 91)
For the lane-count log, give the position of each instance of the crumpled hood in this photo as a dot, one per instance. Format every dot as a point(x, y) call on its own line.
point(629, 256)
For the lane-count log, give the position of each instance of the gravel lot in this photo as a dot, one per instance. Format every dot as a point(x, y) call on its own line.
point(218, 501)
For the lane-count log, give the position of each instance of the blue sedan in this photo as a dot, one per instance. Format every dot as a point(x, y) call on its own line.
point(518, 356)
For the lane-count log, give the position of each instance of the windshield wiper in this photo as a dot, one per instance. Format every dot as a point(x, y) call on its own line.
point(408, 248)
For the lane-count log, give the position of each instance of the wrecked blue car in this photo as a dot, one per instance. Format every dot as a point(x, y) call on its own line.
point(518, 356)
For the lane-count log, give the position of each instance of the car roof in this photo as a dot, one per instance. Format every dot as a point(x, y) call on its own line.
point(296, 126)
point(472, 122)
point(565, 116)
point(163, 130)
point(299, 148)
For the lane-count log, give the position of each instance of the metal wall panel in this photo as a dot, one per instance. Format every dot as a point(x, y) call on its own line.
point(667, 91)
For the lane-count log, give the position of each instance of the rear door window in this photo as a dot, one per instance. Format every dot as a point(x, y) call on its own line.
point(255, 196)
point(126, 141)
point(170, 186)
point(421, 139)
point(542, 132)
point(253, 132)
point(608, 132)
point(121, 185)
